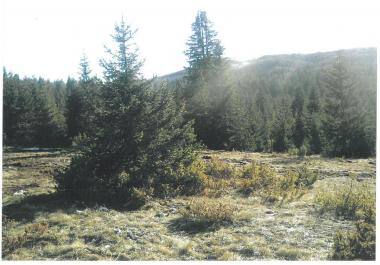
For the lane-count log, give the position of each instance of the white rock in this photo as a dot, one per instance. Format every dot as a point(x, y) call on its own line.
point(103, 209)
point(117, 230)
point(19, 193)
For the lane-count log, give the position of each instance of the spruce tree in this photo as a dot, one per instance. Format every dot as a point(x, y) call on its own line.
point(343, 122)
point(299, 130)
point(74, 106)
point(11, 85)
point(81, 101)
point(262, 119)
point(314, 101)
point(209, 87)
point(203, 46)
point(281, 129)
point(239, 125)
point(141, 139)
point(313, 122)
point(89, 88)
point(24, 129)
point(85, 70)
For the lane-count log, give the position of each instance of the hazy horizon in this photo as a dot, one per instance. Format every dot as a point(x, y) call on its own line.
point(58, 33)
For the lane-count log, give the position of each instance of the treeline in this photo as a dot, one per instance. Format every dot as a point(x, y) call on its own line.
point(43, 113)
point(306, 104)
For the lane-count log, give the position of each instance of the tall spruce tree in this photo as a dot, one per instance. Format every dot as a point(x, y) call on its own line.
point(313, 122)
point(11, 96)
point(209, 87)
point(262, 120)
point(141, 139)
point(204, 56)
point(73, 112)
point(203, 46)
point(239, 125)
point(343, 122)
point(81, 100)
point(84, 69)
point(299, 130)
point(282, 125)
point(47, 123)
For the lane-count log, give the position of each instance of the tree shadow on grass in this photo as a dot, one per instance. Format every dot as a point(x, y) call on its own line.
point(191, 227)
point(29, 207)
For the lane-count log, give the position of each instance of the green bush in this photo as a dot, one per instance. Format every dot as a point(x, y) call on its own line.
point(186, 180)
point(264, 181)
point(358, 244)
point(305, 177)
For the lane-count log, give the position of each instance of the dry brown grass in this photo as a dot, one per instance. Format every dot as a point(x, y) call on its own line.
point(258, 231)
point(208, 210)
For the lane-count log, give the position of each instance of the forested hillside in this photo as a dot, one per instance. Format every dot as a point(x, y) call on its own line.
point(273, 103)
point(282, 102)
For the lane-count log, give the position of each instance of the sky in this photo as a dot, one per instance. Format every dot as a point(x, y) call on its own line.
point(48, 37)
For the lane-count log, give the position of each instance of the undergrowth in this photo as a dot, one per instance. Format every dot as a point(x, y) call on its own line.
point(264, 181)
point(353, 201)
point(31, 235)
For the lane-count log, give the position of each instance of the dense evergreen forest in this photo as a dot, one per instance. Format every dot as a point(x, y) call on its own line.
point(307, 104)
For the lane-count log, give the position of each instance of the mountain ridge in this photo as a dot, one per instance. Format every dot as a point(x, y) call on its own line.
point(315, 57)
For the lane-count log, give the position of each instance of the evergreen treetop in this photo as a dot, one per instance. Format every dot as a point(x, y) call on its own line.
point(203, 45)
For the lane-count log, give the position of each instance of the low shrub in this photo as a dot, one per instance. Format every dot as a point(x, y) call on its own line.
point(352, 201)
point(218, 177)
point(218, 169)
point(358, 244)
point(264, 181)
point(206, 210)
point(183, 181)
point(305, 178)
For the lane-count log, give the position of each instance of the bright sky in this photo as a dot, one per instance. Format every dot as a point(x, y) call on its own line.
point(47, 38)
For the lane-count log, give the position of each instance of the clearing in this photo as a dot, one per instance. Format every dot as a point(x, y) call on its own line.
point(37, 225)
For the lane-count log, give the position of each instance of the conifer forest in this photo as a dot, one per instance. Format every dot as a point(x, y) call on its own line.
point(270, 159)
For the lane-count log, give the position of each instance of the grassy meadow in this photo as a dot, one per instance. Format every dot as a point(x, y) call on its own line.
point(243, 214)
